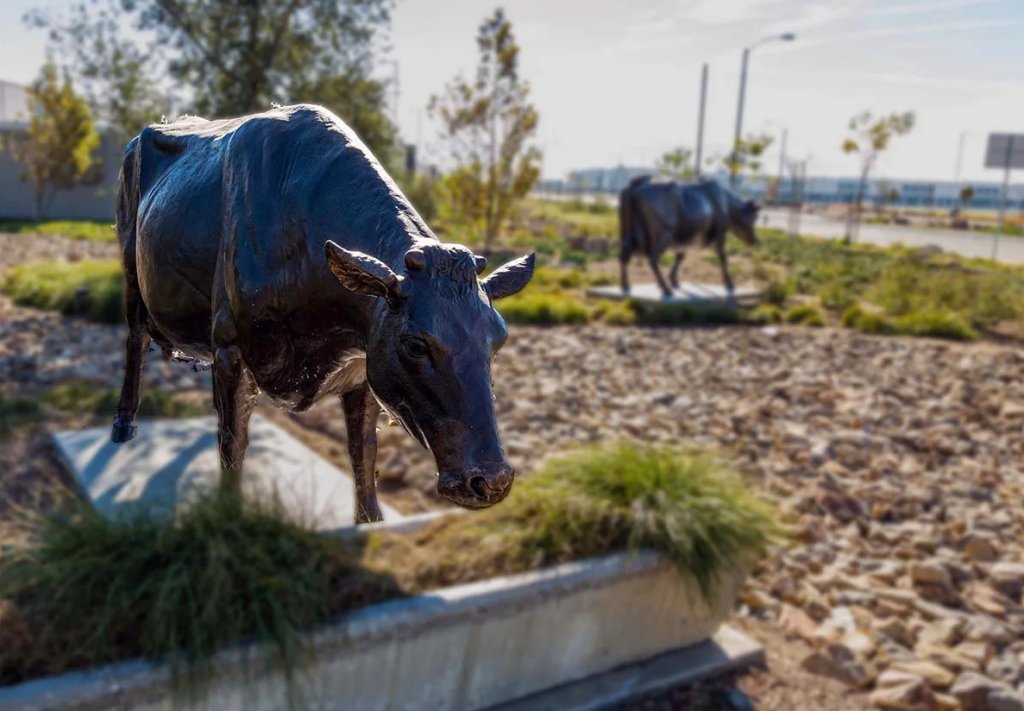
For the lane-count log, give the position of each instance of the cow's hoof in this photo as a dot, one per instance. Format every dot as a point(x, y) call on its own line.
point(369, 514)
point(123, 430)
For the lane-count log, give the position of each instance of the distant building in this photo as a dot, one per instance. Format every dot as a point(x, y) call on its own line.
point(823, 191)
point(93, 202)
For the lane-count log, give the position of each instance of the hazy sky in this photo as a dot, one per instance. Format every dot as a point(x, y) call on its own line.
point(616, 81)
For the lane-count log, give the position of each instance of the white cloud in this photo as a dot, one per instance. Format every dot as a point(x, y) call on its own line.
point(721, 12)
point(913, 8)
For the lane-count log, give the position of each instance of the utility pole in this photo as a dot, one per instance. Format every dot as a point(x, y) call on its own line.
point(1002, 197)
point(734, 167)
point(782, 162)
point(699, 155)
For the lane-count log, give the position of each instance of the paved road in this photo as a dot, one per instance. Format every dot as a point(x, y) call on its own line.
point(969, 244)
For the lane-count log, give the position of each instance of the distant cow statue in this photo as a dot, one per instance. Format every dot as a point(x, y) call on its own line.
point(658, 216)
point(276, 247)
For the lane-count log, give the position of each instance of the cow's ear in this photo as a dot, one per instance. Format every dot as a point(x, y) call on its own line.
point(363, 274)
point(510, 278)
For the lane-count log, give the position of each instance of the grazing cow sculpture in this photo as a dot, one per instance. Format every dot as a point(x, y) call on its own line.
point(276, 247)
point(656, 216)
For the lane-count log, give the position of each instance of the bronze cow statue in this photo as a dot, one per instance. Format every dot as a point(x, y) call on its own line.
point(277, 248)
point(657, 216)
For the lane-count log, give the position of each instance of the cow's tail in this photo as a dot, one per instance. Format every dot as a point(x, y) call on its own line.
point(627, 217)
point(127, 211)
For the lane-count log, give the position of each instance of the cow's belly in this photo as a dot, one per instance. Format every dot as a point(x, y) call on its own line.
point(178, 238)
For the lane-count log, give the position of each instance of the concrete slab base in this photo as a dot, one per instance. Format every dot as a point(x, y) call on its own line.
point(726, 651)
point(170, 462)
point(689, 293)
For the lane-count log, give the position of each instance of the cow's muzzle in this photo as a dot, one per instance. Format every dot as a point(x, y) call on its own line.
point(479, 486)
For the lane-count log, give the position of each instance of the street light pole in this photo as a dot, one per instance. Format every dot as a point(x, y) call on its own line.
point(734, 162)
point(700, 120)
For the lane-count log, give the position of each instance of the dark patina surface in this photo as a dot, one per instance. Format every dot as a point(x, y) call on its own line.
point(658, 216)
point(277, 248)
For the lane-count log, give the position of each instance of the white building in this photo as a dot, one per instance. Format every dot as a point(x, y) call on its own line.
point(820, 190)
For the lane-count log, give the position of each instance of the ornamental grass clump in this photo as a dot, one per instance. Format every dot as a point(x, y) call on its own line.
point(592, 502)
point(685, 505)
point(93, 590)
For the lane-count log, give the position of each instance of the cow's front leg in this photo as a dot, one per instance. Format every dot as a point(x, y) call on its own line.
point(653, 260)
point(673, 276)
point(361, 410)
point(624, 272)
point(234, 395)
point(723, 260)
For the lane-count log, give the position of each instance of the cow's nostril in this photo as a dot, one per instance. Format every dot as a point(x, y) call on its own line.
point(479, 486)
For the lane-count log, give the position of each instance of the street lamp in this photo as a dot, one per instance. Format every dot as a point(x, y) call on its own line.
point(734, 167)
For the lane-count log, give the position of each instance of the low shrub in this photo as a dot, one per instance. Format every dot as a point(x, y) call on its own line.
point(764, 314)
point(84, 397)
point(615, 313)
point(805, 315)
point(930, 323)
point(61, 286)
point(668, 314)
point(937, 324)
point(543, 309)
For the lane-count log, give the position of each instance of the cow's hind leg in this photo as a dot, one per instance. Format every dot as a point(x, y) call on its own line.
point(234, 395)
point(723, 260)
point(361, 410)
point(673, 276)
point(135, 353)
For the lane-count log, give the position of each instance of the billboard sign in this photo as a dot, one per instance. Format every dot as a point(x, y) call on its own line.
point(1005, 151)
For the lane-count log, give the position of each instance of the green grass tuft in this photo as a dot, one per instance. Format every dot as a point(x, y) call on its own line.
point(54, 286)
point(86, 230)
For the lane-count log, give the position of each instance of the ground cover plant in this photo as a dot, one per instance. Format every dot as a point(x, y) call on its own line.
point(89, 230)
point(94, 288)
point(80, 396)
point(86, 590)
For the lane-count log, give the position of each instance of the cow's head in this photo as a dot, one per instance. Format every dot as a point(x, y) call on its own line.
point(433, 334)
point(743, 220)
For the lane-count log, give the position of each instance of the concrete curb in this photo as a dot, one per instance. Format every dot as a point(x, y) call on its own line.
point(620, 623)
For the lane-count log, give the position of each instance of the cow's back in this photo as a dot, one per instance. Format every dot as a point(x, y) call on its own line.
point(175, 174)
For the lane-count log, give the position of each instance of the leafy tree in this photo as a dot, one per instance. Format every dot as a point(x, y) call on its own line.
point(227, 58)
point(966, 194)
point(113, 72)
point(748, 154)
point(488, 124)
point(868, 136)
point(57, 147)
point(676, 164)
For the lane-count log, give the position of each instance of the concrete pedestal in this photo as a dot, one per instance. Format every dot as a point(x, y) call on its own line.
point(169, 462)
point(689, 293)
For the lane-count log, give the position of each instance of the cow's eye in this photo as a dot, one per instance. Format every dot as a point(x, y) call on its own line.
point(416, 347)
